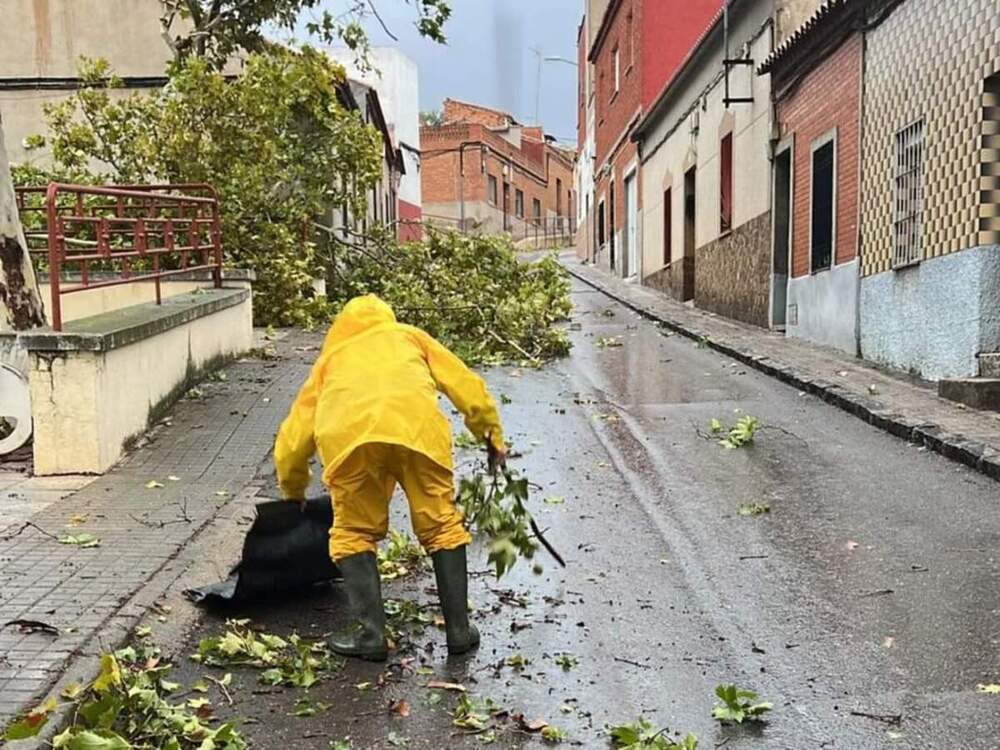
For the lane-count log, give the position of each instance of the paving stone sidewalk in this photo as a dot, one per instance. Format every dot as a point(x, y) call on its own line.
point(906, 407)
point(205, 454)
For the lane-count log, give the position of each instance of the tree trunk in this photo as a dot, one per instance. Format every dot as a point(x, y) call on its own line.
point(20, 302)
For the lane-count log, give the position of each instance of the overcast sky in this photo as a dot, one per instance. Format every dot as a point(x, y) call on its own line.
point(489, 58)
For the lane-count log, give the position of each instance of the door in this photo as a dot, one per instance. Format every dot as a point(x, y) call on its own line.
point(688, 269)
point(781, 242)
point(631, 219)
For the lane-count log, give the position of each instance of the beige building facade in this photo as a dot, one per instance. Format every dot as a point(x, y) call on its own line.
point(42, 42)
point(694, 246)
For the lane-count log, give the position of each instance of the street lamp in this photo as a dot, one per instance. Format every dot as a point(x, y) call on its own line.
point(538, 77)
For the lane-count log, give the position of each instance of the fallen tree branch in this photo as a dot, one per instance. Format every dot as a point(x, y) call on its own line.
point(26, 525)
point(545, 543)
point(891, 719)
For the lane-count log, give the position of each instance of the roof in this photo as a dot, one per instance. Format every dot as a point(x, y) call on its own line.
point(825, 14)
point(506, 115)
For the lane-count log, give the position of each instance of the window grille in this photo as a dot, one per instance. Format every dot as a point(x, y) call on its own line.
point(907, 246)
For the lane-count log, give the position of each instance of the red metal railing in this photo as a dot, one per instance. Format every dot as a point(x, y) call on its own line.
point(121, 234)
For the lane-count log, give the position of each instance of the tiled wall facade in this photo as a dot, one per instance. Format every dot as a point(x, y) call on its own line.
point(929, 59)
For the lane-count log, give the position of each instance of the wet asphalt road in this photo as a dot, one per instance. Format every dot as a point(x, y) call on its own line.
point(865, 605)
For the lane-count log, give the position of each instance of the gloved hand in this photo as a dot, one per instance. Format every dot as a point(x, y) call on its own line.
point(496, 458)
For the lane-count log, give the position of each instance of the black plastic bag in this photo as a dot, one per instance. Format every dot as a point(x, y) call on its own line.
point(286, 550)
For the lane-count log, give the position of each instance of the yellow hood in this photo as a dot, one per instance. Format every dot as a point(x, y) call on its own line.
point(358, 315)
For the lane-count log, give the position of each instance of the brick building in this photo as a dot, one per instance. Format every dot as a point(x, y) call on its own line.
point(483, 171)
point(635, 50)
point(816, 86)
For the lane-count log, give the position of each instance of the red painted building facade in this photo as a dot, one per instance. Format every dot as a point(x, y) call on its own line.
point(637, 48)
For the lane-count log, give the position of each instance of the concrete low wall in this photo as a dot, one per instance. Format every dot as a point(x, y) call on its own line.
point(97, 385)
point(824, 307)
point(85, 304)
point(934, 318)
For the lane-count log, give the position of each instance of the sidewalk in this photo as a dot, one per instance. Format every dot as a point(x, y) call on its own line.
point(892, 402)
point(205, 455)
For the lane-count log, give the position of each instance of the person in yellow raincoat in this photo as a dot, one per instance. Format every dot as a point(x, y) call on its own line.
point(369, 408)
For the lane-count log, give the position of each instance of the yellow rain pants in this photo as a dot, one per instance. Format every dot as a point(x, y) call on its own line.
point(362, 488)
point(377, 381)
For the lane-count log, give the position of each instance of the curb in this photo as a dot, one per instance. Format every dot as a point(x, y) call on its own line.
point(972, 453)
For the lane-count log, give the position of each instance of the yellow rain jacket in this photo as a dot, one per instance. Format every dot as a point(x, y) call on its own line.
point(376, 381)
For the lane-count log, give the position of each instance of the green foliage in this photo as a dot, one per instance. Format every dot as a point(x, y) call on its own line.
point(432, 118)
point(405, 616)
point(495, 509)
point(553, 735)
point(399, 556)
point(128, 707)
point(474, 713)
point(472, 293)
point(466, 441)
point(753, 509)
point(739, 434)
point(215, 30)
point(738, 705)
point(567, 661)
point(293, 661)
point(275, 143)
point(642, 735)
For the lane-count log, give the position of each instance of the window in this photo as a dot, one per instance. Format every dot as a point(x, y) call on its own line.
point(823, 204)
point(506, 205)
point(611, 221)
point(618, 70)
point(907, 244)
point(558, 197)
point(600, 224)
point(631, 46)
point(726, 184)
point(668, 228)
point(491, 189)
point(519, 204)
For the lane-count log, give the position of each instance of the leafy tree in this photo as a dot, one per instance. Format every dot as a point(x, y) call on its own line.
point(216, 29)
point(275, 142)
point(432, 118)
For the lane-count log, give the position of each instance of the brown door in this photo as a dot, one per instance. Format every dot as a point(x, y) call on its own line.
point(687, 286)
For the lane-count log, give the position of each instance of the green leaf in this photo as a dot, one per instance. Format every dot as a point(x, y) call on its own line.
point(83, 540)
point(87, 740)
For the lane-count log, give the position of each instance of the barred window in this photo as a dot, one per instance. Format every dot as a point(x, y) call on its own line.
point(907, 246)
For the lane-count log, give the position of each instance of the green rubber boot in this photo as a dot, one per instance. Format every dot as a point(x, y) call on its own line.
point(364, 592)
point(453, 591)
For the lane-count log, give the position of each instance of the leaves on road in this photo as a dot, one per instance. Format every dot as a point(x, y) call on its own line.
point(294, 661)
point(126, 708)
point(990, 689)
point(399, 556)
point(642, 735)
point(83, 540)
point(753, 509)
point(738, 705)
point(608, 342)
